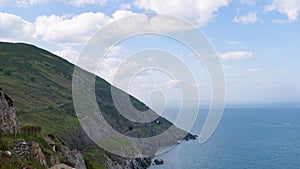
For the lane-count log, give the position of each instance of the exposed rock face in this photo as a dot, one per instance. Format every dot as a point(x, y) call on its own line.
point(37, 153)
point(73, 158)
point(53, 159)
point(159, 161)
point(137, 163)
point(30, 149)
point(8, 161)
point(8, 119)
point(60, 166)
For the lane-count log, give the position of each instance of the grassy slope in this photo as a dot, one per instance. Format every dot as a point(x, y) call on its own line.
point(40, 85)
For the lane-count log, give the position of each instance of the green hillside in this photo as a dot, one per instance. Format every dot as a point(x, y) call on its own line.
point(39, 83)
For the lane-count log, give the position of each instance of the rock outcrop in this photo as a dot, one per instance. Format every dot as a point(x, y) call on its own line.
point(6, 161)
point(30, 149)
point(123, 163)
point(37, 153)
point(72, 158)
point(8, 119)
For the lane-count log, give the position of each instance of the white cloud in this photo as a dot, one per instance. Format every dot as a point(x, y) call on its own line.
point(248, 2)
point(109, 67)
point(37, 1)
point(249, 18)
point(150, 59)
point(58, 29)
point(199, 12)
point(87, 2)
point(236, 55)
point(125, 6)
point(121, 14)
point(235, 42)
point(77, 29)
point(174, 83)
point(14, 28)
point(24, 3)
point(2, 2)
point(116, 51)
point(291, 8)
point(68, 53)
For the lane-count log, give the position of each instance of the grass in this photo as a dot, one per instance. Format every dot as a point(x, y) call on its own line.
point(40, 86)
point(95, 157)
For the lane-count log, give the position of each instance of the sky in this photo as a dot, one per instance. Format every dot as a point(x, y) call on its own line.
point(257, 41)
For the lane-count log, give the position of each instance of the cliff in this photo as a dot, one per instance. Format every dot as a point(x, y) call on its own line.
point(40, 84)
point(8, 119)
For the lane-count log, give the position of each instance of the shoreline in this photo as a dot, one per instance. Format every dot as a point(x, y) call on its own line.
point(167, 149)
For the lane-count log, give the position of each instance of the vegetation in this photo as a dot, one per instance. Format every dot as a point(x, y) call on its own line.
point(41, 88)
point(7, 143)
point(7, 72)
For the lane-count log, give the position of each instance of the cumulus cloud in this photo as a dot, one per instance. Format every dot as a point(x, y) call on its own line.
point(246, 19)
point(68, 53)
point(25, 3)
point(199, 12)
point(236, 55)
point(77, 29)
point(290, 8)
point(116, 51)
point(121, 14)
point(108, 69)
point(87, 2)
point(125, 6)
point(58, 29)
point(15, 28)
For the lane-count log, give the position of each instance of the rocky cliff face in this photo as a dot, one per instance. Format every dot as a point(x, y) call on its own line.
point(30, 149)
point(8, 119)
point(122, 163)
point(73, 158)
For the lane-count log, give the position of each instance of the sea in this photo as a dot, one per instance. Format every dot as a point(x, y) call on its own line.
point(254, 137)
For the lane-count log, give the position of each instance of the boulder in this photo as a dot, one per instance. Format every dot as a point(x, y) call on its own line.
point(159, 161)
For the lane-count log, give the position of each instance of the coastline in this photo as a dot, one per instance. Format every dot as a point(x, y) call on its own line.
point(164, 150)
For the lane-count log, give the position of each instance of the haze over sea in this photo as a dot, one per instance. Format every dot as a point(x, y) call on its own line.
point(247, 137)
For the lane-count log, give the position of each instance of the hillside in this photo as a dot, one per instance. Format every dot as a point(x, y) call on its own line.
point(40, 83)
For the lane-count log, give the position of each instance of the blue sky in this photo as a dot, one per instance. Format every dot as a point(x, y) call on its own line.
point(257, 41)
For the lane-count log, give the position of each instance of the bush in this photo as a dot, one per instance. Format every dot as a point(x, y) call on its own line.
point(32, 79)
point(7, 72)
point(1, 69)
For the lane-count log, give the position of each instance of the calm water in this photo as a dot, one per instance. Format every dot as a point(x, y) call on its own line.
point(262, 138)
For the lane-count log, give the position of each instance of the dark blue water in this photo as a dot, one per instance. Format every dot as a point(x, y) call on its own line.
point(262, 138)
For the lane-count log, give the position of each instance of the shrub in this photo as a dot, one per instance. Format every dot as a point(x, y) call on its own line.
point(1, 69)
point(7, 72)
point(32, 79)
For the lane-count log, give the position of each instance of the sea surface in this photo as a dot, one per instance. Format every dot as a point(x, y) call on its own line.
point(248, 137)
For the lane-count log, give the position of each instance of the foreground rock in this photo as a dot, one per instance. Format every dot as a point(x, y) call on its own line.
point(136, 163)
point(30, 150)
point(73, 158)
point(6, 161)
point(8, 119)
point(60, 166)
point(159, 161)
